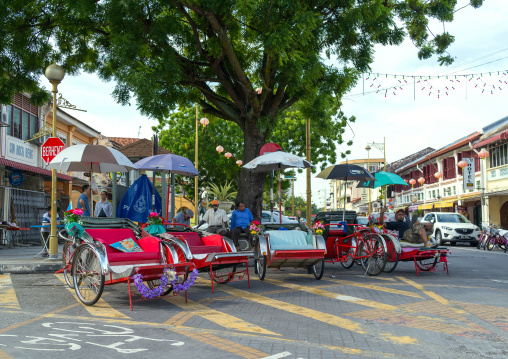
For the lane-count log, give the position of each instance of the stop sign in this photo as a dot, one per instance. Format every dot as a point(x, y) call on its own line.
point(52, 147)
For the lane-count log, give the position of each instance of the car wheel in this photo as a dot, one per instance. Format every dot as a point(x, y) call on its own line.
point(453, 243)
point(439, 238)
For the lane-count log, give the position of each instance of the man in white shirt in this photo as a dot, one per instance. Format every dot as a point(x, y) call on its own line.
point(104, 207)
point(216, 218)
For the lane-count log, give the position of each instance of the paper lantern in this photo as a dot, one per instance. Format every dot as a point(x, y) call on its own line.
point(438, 175)
point(219, 149)
point(228, 155)
point(204, 121)
point(483, 154)
point(421, 180)
point(239, 162)
point(259, 90)
point(412, 181)
point(462, 164)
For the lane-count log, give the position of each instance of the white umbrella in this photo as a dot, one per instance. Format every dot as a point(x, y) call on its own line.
point(277, 160)
point(91, 158)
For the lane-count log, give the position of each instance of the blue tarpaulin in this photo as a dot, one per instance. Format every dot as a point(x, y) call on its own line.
point(136, 204)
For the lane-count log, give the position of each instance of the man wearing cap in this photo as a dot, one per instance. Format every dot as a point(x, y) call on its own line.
point(400, 224)
point(216, 218)
point(183, 218)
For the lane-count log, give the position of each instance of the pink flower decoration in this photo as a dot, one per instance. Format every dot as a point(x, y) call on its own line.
point(153, 214)
point(78, 212)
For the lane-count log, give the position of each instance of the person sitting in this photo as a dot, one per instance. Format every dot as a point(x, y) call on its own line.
point(183, 218)
point(401, 224)
point(240, 223)
point(216, 218)
point(46, 230)
point(419, 233)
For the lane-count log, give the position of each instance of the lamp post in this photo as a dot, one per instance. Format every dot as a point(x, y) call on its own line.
point(368, 148)
point(196, 213)
point(307, 155)
point(55, 75)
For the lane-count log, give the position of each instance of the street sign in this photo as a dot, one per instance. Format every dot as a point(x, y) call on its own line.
point(299, 212)
point(468, 174)
point(52, 147)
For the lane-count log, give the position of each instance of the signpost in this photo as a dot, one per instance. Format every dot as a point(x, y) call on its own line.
point(52, 147)
point(468, 174)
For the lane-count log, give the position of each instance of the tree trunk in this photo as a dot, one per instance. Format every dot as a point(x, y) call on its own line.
point(250, 184)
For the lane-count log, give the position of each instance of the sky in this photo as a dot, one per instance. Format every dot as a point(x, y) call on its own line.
point(409, 124)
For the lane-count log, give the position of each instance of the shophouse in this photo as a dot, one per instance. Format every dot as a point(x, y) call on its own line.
point(435, 181)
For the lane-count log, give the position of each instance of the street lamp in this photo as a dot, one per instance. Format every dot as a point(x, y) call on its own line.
point(55, 75)
point(368, 148)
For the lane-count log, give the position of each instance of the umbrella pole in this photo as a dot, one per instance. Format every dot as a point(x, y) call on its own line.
point(280, 202)
point(168, 190)
point(90, 200)
point(271, 195)
point(345, 200)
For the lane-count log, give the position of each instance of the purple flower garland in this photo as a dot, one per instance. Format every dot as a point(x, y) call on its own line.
point(177, 287)
point(159, 291)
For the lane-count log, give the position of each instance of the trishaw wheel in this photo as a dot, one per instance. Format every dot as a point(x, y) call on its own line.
point(152, 284)
point(261, 266)
point(87, 276)
point(318, 269)
point(348, 263)
point(391, 263)
point(427, 264)
point(221, 275)
point(68, 249)
point(373, 251)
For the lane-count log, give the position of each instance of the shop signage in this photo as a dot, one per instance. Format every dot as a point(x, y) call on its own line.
point(15, 178)
point(52, 147)
point(468, 174)
point(19, 151)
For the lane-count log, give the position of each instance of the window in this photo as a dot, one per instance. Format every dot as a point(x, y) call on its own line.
point(478, 186)
point(22, 118)
point(433, 194)
point(454, 190)
point(498, 156)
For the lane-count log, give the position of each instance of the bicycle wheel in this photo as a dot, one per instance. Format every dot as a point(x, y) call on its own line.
point(87, 276)
point(318, 269)
point(350, 258)
point(156, 282)
point(391, 262)
point(67, 251)
point(427, 264)
point(374, 255)
point(491, 243)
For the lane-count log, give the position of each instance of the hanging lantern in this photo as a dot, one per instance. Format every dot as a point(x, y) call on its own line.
point(219, 149)
point(438, 175)
point(483, 154)
point(421, 180)
point(259, 90)
point(412, 181)
point(406, 181)
point(462, 164)
point(204, 121)
point(239, 162)
point(228, 155)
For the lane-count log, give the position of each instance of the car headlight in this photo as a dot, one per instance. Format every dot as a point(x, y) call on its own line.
point(446, 228)
point(475, 228)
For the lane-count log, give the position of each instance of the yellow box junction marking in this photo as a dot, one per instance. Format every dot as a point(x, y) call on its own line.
point(99, 309)
point(225, 320)
point(179, 318)
point(4, 355)
point(8, 298)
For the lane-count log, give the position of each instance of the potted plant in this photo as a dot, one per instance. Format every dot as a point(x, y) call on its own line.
point(224, 194)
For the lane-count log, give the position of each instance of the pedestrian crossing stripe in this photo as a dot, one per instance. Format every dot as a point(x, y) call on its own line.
point(8, 297)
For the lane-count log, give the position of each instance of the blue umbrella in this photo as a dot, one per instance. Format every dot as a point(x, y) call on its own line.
point(383, 179)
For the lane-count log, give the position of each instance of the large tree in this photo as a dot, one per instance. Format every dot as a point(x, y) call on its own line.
point(244, 61)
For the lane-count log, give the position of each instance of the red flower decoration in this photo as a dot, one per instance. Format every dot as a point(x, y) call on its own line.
point(256, 223)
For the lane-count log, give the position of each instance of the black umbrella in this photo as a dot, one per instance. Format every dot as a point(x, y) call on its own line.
point(346, 172)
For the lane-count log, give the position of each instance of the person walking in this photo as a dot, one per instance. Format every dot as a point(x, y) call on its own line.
point(216, 218)
point(183, 218)
point(240, 221)
point(103, 208)
point(83, 200)
point(46, 230)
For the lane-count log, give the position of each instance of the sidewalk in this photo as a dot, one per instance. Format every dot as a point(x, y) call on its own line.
point(20, 260)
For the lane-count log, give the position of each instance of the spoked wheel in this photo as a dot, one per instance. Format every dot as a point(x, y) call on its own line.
point(373, 250)
point(86, 273)
point(348, 263)
point(261, 266)
point(391, 262)
point(427, 264)
point(68, 249)
point(318, 269)
point(491, 243)
point(152, 284)
point(221, 275)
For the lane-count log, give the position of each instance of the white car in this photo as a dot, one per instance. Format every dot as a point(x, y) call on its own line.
point(453, 228)
point(265, 218)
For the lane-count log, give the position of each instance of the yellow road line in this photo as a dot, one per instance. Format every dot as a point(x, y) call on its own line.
point(8, 298)
point(432, 295)
point(4, 355)
point(225, 320)
point(179, 318)
point(374, 287)
point(99, 309)
point(338, 296)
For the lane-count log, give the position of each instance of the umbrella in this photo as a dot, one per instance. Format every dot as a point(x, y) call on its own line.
point(346, 172)
point(277, 161)
point(170, 163)
point(383, 179)
point(91, 158)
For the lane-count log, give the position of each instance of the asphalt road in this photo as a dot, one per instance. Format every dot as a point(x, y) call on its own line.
point(289, 315)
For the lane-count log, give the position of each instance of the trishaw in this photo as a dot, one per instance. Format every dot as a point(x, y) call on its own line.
point(96, 263)
point(211, 253)
point(348, 242)
point(289, 245)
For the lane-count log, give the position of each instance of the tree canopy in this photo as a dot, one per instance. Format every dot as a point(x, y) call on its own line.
point(248, 62)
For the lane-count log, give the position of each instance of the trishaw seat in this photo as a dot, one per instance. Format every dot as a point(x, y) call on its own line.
point(205, 249)
point(404, 244)
point(290, 240)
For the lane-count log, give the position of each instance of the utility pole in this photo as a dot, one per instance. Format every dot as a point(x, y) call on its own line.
point(307, 150)
point(196, 212)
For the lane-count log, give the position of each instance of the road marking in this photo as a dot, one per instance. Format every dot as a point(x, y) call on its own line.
point(494, 315)
point(8, 298)
point(324, 293)
point(99, 309)
point(4, 355)
point(179, 318)
point(225, 320)
point(476, 250)
point(278, 356)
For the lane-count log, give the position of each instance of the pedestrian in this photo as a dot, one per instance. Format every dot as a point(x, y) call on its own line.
point(46, 230)
point(216, 218)
point(240, 223)
point(103, 208)
point(183, 218)
point(463, 211)
point(83, 200)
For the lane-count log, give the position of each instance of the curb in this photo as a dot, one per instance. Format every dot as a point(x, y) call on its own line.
point(30, 268)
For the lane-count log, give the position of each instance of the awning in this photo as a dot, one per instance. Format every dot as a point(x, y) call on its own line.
point(23, 167)
point(425, 206)
point(443, 204)
point(494, 138)
point(397, 208)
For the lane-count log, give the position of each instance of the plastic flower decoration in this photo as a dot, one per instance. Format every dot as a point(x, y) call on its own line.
point(254, 229)
point(154, 218)
point(73, 215)
point(318, 228)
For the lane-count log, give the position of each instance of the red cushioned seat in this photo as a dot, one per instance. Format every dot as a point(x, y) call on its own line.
point(132, 257)
point(205, 249)
point(192, 238)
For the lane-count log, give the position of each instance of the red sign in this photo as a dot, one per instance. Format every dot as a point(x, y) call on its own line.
point(52, 147)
